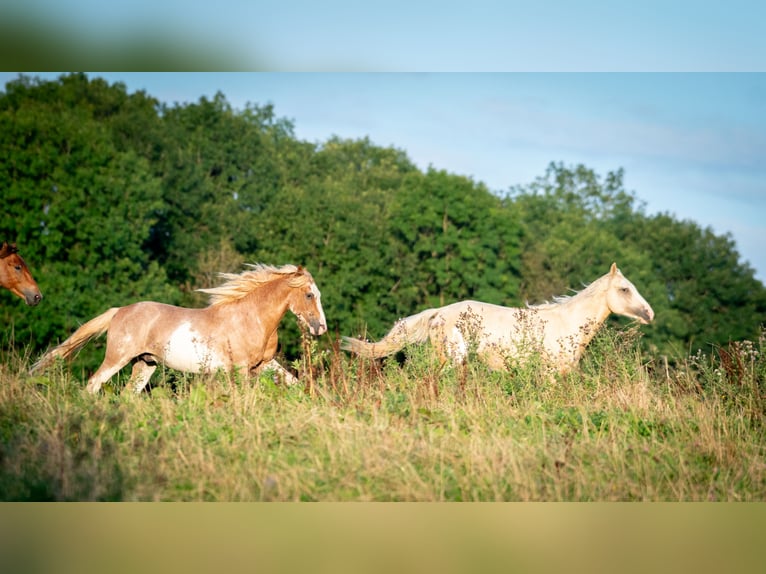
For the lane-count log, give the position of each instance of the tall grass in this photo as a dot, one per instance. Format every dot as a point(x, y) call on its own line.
point(621, 427)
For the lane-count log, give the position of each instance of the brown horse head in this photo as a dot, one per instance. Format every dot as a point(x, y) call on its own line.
point(15, 275)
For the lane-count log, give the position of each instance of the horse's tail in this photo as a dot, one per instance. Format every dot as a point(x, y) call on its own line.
point(90, 330)
point(412, 329)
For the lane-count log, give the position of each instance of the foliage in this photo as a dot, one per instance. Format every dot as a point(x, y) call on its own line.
point(571, 226)
point(79, 208)
point(455, 240)
point(113, 198)
point(710, 296)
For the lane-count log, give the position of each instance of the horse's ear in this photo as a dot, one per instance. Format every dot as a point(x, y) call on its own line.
point(613, 269)
point(7, 249)
point(300, 270)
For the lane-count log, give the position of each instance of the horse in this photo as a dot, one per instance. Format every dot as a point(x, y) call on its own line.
point(556, 331)
point(15, 275)
point(237, 330)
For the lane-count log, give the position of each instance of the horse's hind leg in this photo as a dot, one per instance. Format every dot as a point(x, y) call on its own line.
point(447, 347)
point(143, 369)
point(105, 372)
point(113, 361)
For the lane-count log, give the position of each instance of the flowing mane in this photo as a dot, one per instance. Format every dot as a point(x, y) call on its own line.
point(238, 285)
point(588, 291)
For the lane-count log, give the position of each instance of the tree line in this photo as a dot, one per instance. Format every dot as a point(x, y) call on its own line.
point(114, 198)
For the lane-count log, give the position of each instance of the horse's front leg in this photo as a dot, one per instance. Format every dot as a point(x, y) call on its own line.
point(281, 375)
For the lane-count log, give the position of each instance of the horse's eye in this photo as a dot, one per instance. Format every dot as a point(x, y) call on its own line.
point(309, 295)
point(18, 267)
point(624, 290)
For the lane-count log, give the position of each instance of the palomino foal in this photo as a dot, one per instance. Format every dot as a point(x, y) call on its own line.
point(238, 330)
point(558, 331)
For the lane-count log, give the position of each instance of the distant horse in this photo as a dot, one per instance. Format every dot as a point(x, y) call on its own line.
point(15, 275)
point(237, 330)
point(558, 331)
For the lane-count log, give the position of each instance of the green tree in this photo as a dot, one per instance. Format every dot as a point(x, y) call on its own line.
point(335, 221)
point(572, 223)
point(713, 297)
point(221, 170)
point(80, 208)
point(455, 240)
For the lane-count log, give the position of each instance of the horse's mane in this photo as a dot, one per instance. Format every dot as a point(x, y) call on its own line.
point(238, 285)
point(7, 249)
point(589, 291)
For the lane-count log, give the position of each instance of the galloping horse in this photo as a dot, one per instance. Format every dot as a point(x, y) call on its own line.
point(15, 275)
point(558, 331)
point(237, 330)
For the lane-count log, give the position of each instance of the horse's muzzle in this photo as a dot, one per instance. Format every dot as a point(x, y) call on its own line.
point(32, 298)
point(645, 315)
point(316, 327)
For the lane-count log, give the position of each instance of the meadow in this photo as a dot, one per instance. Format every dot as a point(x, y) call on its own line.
point(624, 426)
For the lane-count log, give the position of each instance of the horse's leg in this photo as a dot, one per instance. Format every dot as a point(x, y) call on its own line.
point(105, 372)
point(114, 360)
point(280, 373)
point(448, 347)
point(143, 368)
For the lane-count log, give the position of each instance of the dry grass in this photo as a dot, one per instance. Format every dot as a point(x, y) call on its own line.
point(619, 428)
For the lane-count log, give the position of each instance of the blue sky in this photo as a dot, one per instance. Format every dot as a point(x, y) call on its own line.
point(693, 145)
point(438, 35)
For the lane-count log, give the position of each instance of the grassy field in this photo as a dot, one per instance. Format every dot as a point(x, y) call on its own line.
point(622, 427)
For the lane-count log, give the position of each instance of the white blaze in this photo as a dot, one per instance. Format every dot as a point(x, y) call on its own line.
point(318, 297)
